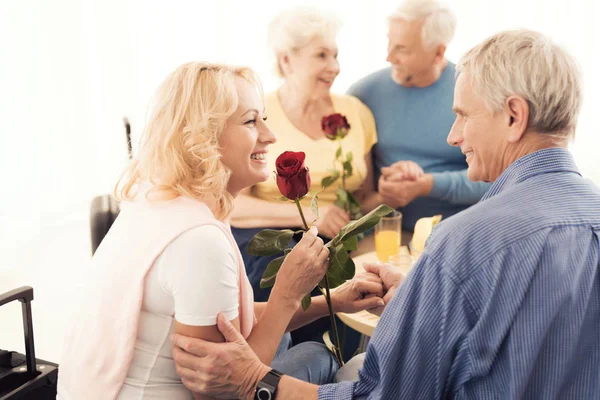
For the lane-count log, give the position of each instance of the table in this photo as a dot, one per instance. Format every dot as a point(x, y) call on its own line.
point(364, 322)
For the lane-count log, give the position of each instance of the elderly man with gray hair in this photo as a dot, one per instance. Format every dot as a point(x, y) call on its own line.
point(411, 100)
point(504, 303)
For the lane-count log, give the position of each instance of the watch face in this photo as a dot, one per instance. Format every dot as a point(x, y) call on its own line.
point(263, 394)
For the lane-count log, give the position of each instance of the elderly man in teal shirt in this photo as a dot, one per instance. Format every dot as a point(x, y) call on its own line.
point(417, 172)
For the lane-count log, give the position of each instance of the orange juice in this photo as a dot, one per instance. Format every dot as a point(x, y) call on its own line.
point(387, 243)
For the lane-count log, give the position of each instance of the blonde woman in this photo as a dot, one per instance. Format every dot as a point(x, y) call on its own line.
point(169, 263)
point(303, 41)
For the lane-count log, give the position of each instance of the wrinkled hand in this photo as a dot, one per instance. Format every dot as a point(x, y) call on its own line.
point(402, 170)
point(228, 370)
point(390, 277)
point(303, 268)
point(331, 220)
point(363, 292)
point(399, 193)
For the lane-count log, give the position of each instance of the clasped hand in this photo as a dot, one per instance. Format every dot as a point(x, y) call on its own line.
point(403, 182)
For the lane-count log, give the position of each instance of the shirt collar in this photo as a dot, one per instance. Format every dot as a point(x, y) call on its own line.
point(544, 161)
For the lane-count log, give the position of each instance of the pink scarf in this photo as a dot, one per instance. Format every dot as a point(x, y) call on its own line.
point(99, 344)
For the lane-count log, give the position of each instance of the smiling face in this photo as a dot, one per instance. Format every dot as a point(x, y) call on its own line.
point(245, 140)
point(313, 67)
point(483, 136)
point(411, 60)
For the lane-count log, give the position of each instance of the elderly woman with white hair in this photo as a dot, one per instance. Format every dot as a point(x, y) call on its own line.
point(303, 40)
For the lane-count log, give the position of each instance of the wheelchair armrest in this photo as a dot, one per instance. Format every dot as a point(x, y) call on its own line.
point(23, 294)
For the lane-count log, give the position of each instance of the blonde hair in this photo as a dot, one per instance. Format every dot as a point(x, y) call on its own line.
point(528, 64)
point(439, 21)
point(179, 152)
point(294, 28)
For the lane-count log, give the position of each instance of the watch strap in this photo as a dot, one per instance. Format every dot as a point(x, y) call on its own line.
point(267, 386)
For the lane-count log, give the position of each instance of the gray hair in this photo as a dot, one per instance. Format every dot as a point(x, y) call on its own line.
point(294, 28)
point(439, 21)
point(531, 65)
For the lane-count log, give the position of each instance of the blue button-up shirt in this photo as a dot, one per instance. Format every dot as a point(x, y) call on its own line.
point(505, 301)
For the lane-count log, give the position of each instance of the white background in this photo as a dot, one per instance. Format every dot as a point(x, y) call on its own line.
point(70, 70)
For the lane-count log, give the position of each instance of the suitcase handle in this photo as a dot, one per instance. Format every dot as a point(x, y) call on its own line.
point(25, 295)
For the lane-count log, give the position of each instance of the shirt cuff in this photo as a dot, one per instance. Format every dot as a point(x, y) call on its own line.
point(441, 185)
point(336, 391)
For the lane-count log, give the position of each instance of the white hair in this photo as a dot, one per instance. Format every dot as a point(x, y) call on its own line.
point(294, 28)
point(439, 21)
point(528, 64)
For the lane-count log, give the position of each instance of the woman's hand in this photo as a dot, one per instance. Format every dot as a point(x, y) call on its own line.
point(331, 220)
point(363, 292)
point(303, 268)
point(402, 170)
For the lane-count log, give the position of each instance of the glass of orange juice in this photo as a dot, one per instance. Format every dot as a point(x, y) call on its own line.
point(387, 236)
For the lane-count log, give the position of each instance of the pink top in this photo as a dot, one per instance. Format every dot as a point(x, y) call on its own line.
point(99, 344)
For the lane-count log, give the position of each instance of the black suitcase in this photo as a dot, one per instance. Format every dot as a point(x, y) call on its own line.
point(105, 208)
point(24, 376)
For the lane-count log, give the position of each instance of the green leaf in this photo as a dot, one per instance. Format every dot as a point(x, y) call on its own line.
point(345, 264)
point(269, 242)
point(348, 168)
point(329, 180)
point(349, 157)
point(351, 243)
point(306, 301)
point(342, 195)
point(348, 202)
point(268, 278)
point(341, 267)
point(314, 206)
point(362, 224)
point(341, 198)
point(353, 207)
point(334, 281)
point(338, 153)
point(352, 200)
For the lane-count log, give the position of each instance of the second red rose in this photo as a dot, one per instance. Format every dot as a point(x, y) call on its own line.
point(334, 126)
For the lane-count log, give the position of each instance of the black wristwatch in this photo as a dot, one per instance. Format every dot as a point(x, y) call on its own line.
point(267, 387)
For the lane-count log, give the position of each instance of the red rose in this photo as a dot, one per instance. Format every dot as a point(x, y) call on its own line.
point(293, 179)
point(335, 126)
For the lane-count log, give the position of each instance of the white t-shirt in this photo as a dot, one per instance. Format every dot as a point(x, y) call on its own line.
point(194, 279)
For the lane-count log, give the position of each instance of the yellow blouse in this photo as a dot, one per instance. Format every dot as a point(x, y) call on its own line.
point(320, 153)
